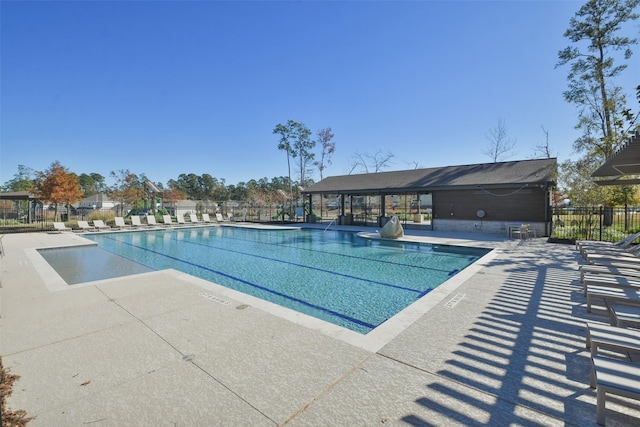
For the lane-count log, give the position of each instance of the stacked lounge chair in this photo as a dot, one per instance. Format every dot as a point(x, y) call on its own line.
point(613, 275)
point(612, 375)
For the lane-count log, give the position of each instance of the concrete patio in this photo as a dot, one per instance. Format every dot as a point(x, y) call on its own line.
point(504, 345)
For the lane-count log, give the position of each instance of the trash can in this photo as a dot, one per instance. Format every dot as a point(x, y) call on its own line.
point(608, 216)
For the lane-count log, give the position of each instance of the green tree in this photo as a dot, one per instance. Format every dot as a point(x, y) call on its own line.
point(594, 34)
point(287, 133)
point(327, 148)
point(574, 181)
point(302, 147)
point(91, 184)
point(23, 180)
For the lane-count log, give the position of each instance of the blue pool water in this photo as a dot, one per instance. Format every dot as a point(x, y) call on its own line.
point(336, 276)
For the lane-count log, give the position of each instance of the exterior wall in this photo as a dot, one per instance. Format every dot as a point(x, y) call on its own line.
point(502, 228)
point(503, 209)
point(525, 205)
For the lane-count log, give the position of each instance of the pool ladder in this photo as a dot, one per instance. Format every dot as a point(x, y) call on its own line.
point(333, 221)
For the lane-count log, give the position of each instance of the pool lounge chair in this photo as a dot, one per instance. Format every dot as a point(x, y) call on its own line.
point(100, 225)
point(120, 224)
point(193, 219)
point(60, 227)
point(627, 296)
point(135, 222)
point(608, 270)
point(616, 263)
point(610, 281)
point(621, 315)
point(623, 243)
point(631, 251)
point(219, 217)
point(206, 219)
point(180, 219)
point(612, 257)
point(151, 221)
point(609, 337)
point(84, 226)
point(613, 376)
point(167, 221)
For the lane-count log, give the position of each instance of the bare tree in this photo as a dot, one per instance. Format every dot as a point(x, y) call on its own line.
point(543, 150)
point(415, 164)
point(368, 162)
point(500, 146)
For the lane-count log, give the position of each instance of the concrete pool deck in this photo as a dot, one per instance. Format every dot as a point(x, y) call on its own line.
point(505, 345)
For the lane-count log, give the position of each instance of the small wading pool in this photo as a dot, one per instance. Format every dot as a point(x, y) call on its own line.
point(335, 276)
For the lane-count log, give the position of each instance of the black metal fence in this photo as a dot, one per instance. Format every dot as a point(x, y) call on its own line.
point(595, 223)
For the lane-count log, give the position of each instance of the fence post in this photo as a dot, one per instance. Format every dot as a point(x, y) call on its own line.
point(601, 217)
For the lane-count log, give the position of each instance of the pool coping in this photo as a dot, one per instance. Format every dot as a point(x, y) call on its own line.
point(506, 348)
point(372, 341)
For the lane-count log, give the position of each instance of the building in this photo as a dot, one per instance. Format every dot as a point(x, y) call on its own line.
point(488, 197)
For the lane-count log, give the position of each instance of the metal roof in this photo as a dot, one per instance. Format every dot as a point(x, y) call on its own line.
point(520, 173)
point(17, 195)
point(625, 161)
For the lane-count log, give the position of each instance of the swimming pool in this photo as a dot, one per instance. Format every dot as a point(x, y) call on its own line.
point(335, 276)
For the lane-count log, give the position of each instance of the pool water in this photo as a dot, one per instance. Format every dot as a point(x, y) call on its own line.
point(335, 276)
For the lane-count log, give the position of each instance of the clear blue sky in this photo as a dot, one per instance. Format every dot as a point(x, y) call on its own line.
point(164, 88)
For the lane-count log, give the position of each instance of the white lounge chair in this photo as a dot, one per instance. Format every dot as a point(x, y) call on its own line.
point(151, 221)
point(60, 227)
point(610, 281)
point(180, 219)
point(623, 243)
point(193, 218)
point(84, 226)
point(621, 315)
point(167, 221)
point(622, 295)
point(613, 376)
point(613, 250)
point(100, 225)
point(612, 338)
point(219, 217)
point(608, 270)
point(604, 258)
point(205, 218)
point(230, 216)
point(135, 221)
point(120, 223)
